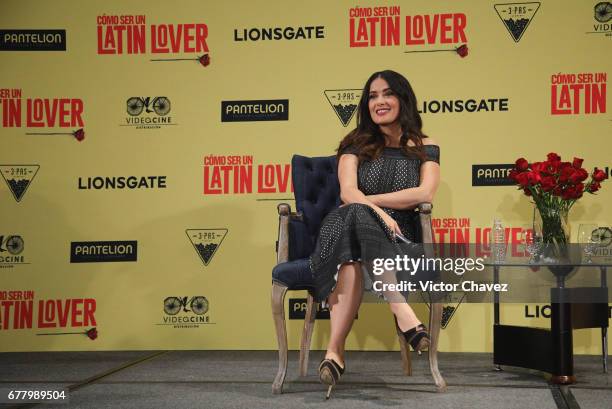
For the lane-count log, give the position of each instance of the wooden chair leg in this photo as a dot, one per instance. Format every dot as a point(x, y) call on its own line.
point(435, 321)
point(309, 319)
point(405, 351)
point(278, 314)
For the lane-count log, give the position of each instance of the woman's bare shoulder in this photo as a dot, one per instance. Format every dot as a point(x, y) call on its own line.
point(429, 141)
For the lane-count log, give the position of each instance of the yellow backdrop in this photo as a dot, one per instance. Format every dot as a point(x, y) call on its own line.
point(184, 162)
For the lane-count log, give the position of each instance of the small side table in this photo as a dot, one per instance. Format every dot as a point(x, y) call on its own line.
point(551, 350)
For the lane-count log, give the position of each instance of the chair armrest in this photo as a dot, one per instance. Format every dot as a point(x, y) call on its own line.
point(282, 244)
point(426, 228)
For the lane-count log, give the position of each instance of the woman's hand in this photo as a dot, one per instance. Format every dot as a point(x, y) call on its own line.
point(350, 193)
point(389, 221)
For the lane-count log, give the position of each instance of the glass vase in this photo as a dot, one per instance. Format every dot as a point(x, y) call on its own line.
point(555, 229)
point(555, 240)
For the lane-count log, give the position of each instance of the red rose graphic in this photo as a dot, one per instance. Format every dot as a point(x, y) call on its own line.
point(462, 51)
point(204, 60)
point(92, 333)
point(79, 134)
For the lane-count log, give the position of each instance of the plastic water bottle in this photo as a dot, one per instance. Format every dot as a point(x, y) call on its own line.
point(498, 241)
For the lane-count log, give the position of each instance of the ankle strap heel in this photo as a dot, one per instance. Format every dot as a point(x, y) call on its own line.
point(329, 374)
point(418, 338)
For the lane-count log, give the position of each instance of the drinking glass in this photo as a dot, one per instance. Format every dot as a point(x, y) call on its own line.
point(532, 237)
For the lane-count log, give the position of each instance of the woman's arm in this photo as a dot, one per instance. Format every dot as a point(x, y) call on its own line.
point(412, 197)
point(349, 190)
point(347, 176)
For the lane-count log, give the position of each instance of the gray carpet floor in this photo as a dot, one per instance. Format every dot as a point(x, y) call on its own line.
point(242, 379)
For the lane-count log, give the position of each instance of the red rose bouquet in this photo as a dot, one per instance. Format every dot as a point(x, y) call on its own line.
point(555, 186)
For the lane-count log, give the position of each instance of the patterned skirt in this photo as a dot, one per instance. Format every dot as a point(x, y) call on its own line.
point(356, 233)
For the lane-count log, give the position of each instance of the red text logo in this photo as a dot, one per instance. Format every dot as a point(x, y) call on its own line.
point(39, 112)
point(573, 94)
point(237, 174)
point(18, 310)
point(382, 26)
point(127, 34)
point(473, 241)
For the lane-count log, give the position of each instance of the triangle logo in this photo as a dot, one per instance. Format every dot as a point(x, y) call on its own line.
point(18, 178)
point(344, 102)
point(450, 304)
point(448, 311)
point(206, 242)
point(517, 17)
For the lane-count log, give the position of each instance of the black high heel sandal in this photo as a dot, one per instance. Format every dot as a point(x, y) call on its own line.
point(329, 374)
point(418, 338)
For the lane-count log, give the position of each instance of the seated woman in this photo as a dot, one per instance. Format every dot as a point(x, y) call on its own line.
point(386, 167)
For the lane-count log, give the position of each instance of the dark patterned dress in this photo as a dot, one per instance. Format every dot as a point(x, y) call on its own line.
point(356, 232)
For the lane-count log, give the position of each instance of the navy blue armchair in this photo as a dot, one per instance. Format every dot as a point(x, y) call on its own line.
point(317, 192)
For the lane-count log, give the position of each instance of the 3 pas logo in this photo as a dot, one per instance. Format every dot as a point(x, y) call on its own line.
point(41, 112)
point(344, 102)
point(516, 17)
point(18, 178)
point(206, 242)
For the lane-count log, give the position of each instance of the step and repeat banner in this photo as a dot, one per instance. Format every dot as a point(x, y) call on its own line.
point(144, 147)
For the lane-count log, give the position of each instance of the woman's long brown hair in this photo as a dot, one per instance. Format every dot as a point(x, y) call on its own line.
point(367, 138)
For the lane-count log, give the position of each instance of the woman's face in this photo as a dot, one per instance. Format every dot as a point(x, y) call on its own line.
point(383, 103)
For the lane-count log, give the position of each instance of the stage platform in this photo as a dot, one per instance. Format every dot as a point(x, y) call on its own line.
point(243, 379)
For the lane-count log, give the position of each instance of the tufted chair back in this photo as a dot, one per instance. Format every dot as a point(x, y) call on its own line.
point(317, 192)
